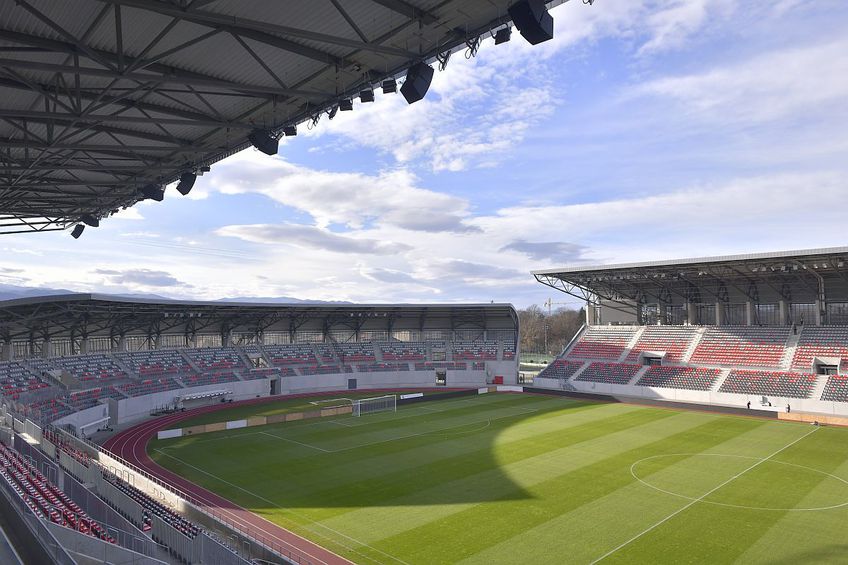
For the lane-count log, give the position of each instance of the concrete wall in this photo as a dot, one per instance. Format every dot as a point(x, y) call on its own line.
point(365, 381)
point(700, 397)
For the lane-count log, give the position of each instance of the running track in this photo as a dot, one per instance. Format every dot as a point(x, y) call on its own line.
point(131, 445)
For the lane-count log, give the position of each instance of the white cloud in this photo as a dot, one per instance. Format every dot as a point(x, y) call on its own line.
point(677, 20)
point(774, 85)
point(310, 237)
point(127, 214)
point(350, 199)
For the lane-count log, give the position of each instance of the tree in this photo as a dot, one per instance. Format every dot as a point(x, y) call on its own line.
point(562, 325)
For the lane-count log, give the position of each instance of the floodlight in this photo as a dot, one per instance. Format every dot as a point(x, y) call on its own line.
point(77, 231)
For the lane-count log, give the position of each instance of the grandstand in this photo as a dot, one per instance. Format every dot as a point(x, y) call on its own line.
point(768, 328)
point(59, 389)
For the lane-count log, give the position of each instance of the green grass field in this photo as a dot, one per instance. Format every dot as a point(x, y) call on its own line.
point(531, 479)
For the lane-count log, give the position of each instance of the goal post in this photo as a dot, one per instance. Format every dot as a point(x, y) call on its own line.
point(386, 403)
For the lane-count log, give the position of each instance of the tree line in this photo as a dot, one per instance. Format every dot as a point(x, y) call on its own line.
point(558, 327)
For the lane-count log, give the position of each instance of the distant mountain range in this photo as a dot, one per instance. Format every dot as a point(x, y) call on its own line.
point(10, 292)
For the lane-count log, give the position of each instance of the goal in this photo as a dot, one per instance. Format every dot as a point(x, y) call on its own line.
point(387, 403)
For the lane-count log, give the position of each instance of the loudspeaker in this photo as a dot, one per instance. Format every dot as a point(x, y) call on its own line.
point(532, 19)
point(77, 231)
point(186, 183)
point(153, 192)
point(418, 80)
point(345, 104)
point(90, 220)
point(264, 142)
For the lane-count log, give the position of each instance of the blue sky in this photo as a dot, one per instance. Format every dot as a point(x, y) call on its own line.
point(645, 130)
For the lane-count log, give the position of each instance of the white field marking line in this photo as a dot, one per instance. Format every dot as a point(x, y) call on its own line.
point(431, 432)
point(310, 520)
point(700, 498)
point(297, 442)
point(814, 509)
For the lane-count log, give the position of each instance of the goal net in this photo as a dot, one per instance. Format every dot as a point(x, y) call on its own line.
point(387, 403)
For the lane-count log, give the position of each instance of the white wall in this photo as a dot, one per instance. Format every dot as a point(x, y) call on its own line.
point(365, 381)
point(701, 397)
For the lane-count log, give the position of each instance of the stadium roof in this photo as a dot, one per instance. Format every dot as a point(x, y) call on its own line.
point(99, 98)
point(813, 273)
point(74, 315)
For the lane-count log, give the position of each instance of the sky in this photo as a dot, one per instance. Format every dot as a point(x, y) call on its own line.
point(645, 130)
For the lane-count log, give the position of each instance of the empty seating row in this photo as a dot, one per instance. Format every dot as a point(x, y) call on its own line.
point(355, 352)
point(690, 378)
point(769, 383)
point(215, 358)
point(403, 351)
point(454, 366)
point(91, 397)
point(475, 350)
point(603, 342)
point(153, 508)
point(561, 369)
point(325, 369)
point(823, 341)
point(149, 386)
point(741, 345)
point(157, 362)
point(56, 439)
point(16, 378)
point(609, 373)
point(382, 367)
point(508, 351)
point(209, 379)
point(295, 354)
point(836, 389)
point(48, 409)
point(267, 373)
point(44, 498)
point(671, 340)
point(94, 367)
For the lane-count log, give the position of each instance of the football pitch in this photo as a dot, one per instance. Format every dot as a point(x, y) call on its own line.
point(508, 478)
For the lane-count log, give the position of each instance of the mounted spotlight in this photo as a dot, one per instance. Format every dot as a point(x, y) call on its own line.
point(418, 79)
point(90, 220)
point(153, 192)
point(205, 169)
point(532, 19)
point(389, 86)
point(77, 231)
point(345, 104)
point(264, 141)
point(186, 182)
point(366, 95)
point(503, 35)
point(332, 113)
point(290, 130)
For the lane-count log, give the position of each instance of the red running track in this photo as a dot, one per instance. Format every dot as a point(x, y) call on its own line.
point(131, 445)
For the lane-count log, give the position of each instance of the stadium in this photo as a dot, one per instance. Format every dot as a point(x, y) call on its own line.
point(698, 415)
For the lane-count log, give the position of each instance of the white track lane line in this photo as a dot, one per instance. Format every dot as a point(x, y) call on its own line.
point(700, 498)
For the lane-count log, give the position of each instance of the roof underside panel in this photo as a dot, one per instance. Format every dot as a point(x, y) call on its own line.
point(101, 97)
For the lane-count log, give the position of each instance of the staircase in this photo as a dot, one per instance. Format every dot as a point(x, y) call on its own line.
point(789, 349)
point(631, 344)
point(577, 373)
point(639, 374)
point(720, 380)
point(699, 335)
point(191, 364)
point(818, 390)
point(125, 367)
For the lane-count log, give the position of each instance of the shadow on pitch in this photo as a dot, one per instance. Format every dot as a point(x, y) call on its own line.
point(471, 475)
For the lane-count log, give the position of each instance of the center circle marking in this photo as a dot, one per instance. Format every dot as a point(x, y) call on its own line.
point(745, 506)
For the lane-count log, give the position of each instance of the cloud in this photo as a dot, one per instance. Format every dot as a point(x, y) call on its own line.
point(677, 20)
point(140, 277)
point(810, 79)
point(310, 237)
point(557, 250)
point(349, 199)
